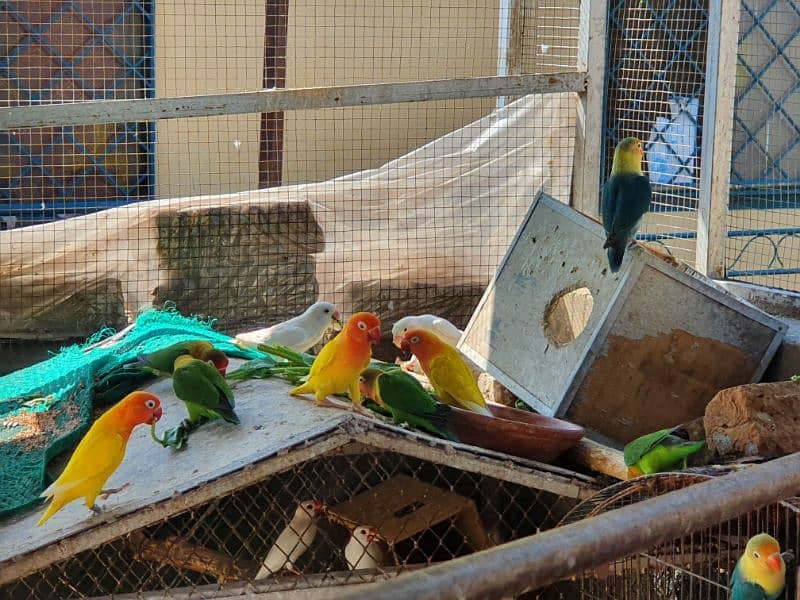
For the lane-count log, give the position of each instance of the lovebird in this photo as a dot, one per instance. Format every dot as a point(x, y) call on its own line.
point(100, 452)
point(626, 198)
point(448, 332)
point(362, 550)
point(294, 540)
point(337, 367)
point(163, 360)
point(760, 573)
point(300, 333)
point(203, 390)
point(407, 400)
point(658, 452)
point(446, 370)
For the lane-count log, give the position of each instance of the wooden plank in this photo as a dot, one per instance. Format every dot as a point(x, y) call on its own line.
point(723, 39)
point(111, 111)
point(587, 174)
point(600, 458)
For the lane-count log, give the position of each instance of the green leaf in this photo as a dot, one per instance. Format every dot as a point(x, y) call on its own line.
point(295, 358)
point(259, 368)
point(173, 438)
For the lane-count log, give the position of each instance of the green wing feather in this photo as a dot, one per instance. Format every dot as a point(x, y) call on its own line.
point(411, 403)
point(164, 359)
point(200, 384)
point(635, 450)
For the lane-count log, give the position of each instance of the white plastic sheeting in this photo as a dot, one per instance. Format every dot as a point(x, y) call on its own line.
point(443, 213)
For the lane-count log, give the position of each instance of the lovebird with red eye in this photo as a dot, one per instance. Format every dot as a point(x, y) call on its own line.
point(760, 573)
point(337, 367)
point(626, 199)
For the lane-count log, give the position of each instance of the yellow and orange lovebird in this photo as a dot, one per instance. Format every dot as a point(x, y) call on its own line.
point(446, 370)
point(339, 364)
point(100, 452)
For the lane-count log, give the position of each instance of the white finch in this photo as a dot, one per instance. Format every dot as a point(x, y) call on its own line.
point(294, 540)
point(363, 551)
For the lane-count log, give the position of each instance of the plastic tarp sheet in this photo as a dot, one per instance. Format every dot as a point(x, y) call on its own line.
point(442, 213)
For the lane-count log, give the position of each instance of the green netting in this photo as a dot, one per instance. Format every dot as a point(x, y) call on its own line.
point(46, 408)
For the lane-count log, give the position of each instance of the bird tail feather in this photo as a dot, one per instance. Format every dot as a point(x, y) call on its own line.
point(55, 505)
point(305, 388)
point(615, 253)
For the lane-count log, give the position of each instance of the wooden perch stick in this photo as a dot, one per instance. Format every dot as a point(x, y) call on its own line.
point(177, 552)
point(600, 458)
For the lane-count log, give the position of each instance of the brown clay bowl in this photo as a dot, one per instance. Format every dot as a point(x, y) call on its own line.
point(516, 432)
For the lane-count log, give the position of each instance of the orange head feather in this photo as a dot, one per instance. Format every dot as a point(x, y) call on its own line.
point(425, 345)
point(363, 327)
point(137, 408)
point(206, 352)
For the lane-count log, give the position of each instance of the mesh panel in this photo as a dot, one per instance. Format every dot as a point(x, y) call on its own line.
point(696, 566)
point(444, 513)
point(763, 245)
point(655, 90)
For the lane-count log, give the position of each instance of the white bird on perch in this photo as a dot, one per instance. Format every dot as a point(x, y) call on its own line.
point(294, 540)
point(363, 551)
point(299, 333)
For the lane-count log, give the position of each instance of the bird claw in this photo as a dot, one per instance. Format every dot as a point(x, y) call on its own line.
point(96, 509)
point(104, 494)
point(292, 569)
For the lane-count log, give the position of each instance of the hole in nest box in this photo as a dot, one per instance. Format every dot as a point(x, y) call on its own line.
point(566, 316)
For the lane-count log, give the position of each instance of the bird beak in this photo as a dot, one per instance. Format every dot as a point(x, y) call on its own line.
point(374, 334)
point(337, 320)
point(319, 505)
point(774, 561)
point(156, 416)
point(222, 371)
point(398, 341)
point(371, 535)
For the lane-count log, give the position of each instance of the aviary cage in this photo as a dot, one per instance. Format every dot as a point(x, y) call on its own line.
point(695, 566)
point(201, 523)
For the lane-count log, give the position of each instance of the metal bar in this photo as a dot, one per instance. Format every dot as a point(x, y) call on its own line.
point(723, 39)
point(112, 111)
point(539, 560)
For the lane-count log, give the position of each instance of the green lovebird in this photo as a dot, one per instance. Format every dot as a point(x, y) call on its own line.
point(658, 452)
point(760, 573)
point(204, 391)
point(407, 400)
point(163, 360)
point(626, 198)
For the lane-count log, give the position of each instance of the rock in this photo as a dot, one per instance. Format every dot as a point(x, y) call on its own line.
point(760, 419)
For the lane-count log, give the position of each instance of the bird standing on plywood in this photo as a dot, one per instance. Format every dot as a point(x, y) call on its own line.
point(100, 452)
point(446, 370)
point(407, 400)
point(658, 452)
point(363, 550)
point(300, 333)
point(760, 573)
point(626, 199)
point(294, 540)
point(338, 365)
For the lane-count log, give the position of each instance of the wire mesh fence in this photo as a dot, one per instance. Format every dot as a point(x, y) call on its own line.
point(656, 64)
point(394, 207)
point(696, 566)
point(353, 515)
point(763, 245)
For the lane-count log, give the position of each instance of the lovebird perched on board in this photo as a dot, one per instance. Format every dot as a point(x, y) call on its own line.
point(407, 400)
point(760, 573)
point(300, 333)
point(658, 452)
point(362, 550)
point(626, 198)
point(446, 370)
point(294, 540)
point(100, 452)
point(163, 361)
point(203, 390)
point(446, 331)
point(338, 365)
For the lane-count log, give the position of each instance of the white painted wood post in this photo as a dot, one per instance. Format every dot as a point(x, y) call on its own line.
point(715, 169)
point(586, 174)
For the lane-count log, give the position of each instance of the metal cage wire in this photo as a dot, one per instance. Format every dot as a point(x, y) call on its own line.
point(226, 540)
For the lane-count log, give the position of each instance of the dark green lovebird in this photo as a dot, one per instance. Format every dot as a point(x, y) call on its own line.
point(626, 198)
point(407, 400)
